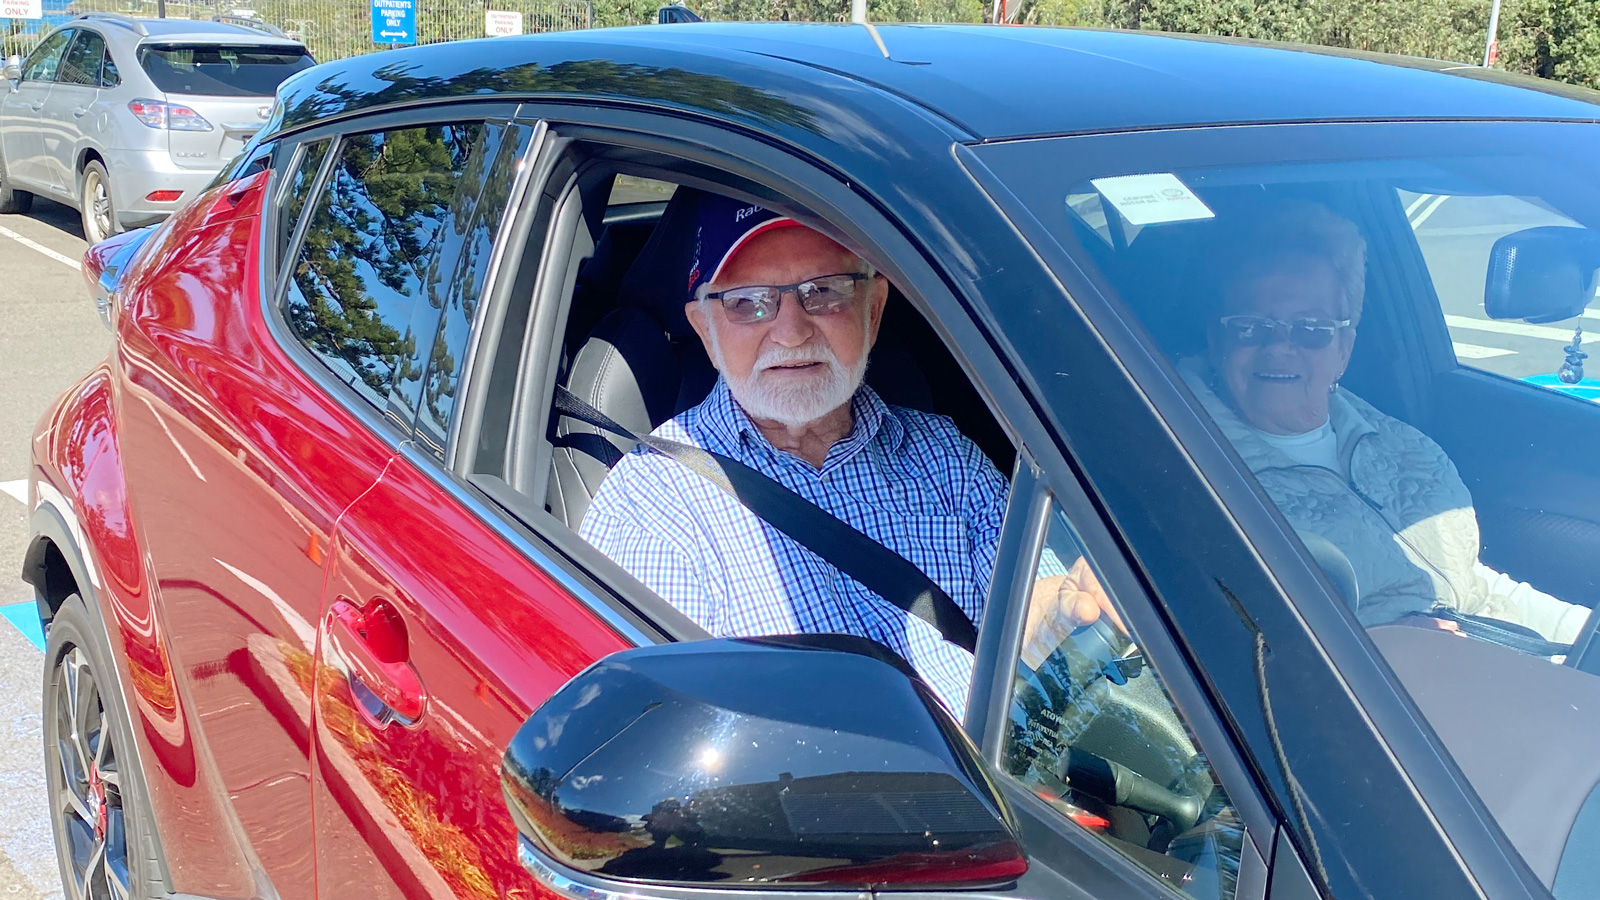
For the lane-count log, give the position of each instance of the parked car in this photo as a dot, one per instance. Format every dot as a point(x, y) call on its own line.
point(320, 623)
point(127, 119)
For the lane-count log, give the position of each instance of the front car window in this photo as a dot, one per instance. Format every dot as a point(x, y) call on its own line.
point(42, 64)
point(1092, 732)
point(1386, 322)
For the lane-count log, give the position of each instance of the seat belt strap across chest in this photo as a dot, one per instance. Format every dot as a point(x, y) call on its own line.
point(879, 569)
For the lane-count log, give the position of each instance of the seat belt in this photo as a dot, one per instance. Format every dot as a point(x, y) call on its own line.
point(881, 570)
point(1506, 634)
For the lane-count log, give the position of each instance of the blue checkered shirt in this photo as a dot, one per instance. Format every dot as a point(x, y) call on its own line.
point(907, 479)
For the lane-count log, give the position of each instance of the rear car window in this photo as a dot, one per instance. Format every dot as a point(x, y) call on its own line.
point(222, 71)
point(373, 248)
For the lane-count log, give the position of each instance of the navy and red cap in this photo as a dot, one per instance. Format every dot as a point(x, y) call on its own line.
point(722, 226)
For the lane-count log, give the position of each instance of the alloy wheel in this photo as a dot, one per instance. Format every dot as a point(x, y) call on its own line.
point(99, 199)
point(92, 832)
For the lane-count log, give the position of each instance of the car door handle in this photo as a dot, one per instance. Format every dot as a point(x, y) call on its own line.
point(36, 106)
point(80, 111)
point(371, 640)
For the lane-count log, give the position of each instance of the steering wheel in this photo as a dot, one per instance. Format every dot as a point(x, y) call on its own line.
point(1122, 752)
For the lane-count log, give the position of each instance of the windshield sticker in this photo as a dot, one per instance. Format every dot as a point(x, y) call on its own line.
point(1152, 199)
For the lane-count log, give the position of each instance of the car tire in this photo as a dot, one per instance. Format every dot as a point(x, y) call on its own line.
point(11, 199)
point(99, 816)
point(94, 202)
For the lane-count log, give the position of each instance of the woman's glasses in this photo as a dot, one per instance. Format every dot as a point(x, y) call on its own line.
point(822, 296)
point(1255, 331)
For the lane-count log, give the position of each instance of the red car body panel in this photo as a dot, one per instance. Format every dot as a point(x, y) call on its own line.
point(208, 473)
point(415, 811)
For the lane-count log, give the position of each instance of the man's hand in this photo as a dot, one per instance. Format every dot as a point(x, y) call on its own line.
point(1061, 603)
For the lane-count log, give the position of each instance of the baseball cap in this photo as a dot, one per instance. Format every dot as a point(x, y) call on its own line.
point(723, 226)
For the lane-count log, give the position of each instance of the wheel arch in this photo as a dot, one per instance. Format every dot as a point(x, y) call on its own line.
point(53, 563)
point(57, 568)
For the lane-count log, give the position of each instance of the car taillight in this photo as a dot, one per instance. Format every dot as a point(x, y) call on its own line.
point(170, 116)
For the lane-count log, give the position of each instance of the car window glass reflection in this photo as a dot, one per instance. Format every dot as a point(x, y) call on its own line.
point(42, 65)
point(81, 65)
point(370, 248)
point(1092, 732)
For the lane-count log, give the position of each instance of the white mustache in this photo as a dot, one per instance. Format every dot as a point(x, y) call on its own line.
point(774, 356)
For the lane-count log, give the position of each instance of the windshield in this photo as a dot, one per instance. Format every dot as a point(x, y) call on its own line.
point(1388, 324)
point(222, 71)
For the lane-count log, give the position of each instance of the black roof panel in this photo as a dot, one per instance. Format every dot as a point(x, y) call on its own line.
point(988, 82)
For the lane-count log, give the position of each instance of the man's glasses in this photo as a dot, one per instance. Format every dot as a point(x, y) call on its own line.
point(1255, 331)
point(818, 297)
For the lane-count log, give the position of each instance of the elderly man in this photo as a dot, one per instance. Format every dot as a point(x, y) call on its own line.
point(788, 317)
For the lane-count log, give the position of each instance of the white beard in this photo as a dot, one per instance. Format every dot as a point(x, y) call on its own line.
point(788, 401)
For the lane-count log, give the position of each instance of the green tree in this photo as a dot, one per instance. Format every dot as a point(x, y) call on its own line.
point(1557, 39)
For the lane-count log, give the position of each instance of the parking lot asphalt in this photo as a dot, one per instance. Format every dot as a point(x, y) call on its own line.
point(49, 336)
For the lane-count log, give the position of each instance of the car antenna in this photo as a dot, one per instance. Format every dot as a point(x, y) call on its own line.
point(858, 15)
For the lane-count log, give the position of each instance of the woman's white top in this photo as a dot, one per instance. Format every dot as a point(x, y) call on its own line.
point(1317, 447)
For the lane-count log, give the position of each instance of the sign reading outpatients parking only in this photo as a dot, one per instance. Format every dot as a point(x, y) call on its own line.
point(500, 23)
point(21, 9)
point(393, 21)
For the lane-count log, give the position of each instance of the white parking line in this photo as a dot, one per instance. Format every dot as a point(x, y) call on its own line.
point(17, 490)
point(1517, 328)
point(35, 245)
point(1423, 216)
point(1473, 351)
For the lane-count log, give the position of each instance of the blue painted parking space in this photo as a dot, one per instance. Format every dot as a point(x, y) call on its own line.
point(25, 616)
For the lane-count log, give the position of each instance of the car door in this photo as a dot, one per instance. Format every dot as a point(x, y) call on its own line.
point(20, 125)
point(66, 121)
point(243, 466)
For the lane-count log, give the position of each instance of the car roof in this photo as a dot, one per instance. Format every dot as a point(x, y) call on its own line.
point(986, 82)
point(191, 31)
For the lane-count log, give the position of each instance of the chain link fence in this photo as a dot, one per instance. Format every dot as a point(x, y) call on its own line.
point(332, 29)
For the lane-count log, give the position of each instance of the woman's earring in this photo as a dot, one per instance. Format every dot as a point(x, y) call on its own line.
point(1334, 388)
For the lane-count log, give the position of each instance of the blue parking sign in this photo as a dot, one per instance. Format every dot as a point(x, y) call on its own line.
point(394, 21)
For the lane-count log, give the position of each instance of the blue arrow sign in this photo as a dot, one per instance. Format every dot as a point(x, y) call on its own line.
point(394, 21)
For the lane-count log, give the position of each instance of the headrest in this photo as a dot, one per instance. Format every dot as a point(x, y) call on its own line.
point(658, 280)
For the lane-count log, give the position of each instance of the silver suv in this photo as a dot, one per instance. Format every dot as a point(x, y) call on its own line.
point(127, 119)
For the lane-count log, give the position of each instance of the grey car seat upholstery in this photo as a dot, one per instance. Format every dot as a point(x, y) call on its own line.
point(642, 364)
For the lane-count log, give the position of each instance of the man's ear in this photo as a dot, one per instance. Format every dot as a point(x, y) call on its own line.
point(696, 312)
point(879, 297)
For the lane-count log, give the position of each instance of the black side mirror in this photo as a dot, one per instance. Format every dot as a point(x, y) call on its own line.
point(674, 14)
point(1543, 274)
point(810, 761)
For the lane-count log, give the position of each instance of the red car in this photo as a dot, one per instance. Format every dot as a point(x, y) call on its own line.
point(306, 543)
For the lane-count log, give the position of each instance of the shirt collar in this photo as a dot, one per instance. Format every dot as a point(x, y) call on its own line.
point(873, 419)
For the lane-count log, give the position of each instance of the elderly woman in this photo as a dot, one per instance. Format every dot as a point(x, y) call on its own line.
point(1378, 489)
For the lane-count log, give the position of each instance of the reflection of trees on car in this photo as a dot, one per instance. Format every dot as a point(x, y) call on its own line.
point(372, 242)
point(595, 77)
